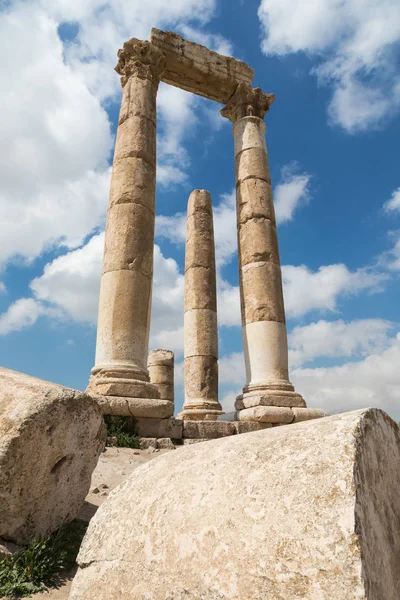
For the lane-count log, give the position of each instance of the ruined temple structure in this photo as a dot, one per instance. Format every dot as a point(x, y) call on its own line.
point(120, 378)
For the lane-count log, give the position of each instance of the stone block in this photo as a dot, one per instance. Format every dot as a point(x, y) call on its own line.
point(310, 511)
point(258, 241)
point(306, 414)
point(159, 428)
point(199, 250)
point(254, 199)
point(249, 133)
point(138, 100)
point(136, 136)
point(165, 444)
point(267, 414)
point(129, 239)
point(149, 442)
point(262, 290)
point(249, 426)
point(133, 180)
point(208, 429)
point(201, 379)
point(273, 398)
point(200, 332)
point(200, 288)
point(197, 69)
point(135, 407)
point(252, 163)
point(50, 440)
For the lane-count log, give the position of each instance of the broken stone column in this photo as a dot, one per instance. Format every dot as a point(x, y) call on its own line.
point(161, 372)
point(261, 296)
point(310, 511)
point(120, 377)
point(200, 319)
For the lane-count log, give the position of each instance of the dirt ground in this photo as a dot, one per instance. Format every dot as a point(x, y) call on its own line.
point(115, 464)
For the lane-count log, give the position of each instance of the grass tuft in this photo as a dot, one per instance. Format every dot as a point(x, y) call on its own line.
point(38, 565)
point(117, 434)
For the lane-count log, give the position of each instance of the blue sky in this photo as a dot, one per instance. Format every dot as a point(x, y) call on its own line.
point(332, 136)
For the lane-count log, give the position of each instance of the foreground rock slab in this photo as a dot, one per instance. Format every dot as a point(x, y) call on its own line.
point(50, 440)
point(310, 511)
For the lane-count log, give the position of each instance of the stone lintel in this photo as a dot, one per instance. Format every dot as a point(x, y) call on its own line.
point(197, 69)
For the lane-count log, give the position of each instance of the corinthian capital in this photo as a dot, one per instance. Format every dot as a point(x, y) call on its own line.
point(247, 102)
point(141, 59)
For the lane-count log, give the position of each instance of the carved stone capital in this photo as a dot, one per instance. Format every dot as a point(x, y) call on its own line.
point(140, 58)
point(247, 102)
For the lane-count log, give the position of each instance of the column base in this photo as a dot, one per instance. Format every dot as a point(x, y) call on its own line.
point(201, 411)
point(279, 415)
point(262, 396)
point(150, 408)
point(121, 381)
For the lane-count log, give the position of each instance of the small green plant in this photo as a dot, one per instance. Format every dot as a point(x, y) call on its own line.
point(39, 564)
point(118, 435)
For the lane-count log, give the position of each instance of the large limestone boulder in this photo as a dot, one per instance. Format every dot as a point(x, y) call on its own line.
point(308, 511)
point(50, 440)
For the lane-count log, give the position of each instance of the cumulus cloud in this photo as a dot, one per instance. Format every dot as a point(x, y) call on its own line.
point(393, 204)
point(21, 314)
point(336, 339)
point(291, 193)
point(56, 139)
point(356, 46)
point(373, 381)
point(306, 290)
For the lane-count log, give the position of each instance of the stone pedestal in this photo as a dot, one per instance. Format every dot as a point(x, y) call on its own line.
point(123, 326)
point(161, 372)
point(200, 319)
point(261, 296)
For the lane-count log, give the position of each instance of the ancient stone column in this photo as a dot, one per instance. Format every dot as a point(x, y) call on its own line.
point(161, 372)
point(126, 284)
point(200, 318)
point(261, 297)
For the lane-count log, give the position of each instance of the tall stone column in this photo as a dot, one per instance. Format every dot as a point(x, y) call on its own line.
point(261, 297)
point(126, 284)
point(200, 318)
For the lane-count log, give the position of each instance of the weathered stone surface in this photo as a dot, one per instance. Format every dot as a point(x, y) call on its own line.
point(258, 242)
point(249, 426)
point(136, 136)
point(252, 163)
point(128, 245)
point(201, 335)
point(274, 398)
point(254, 199)
point(159, 428)
point(200, 288)
point(197, 69)
point(132, 181)
point(316, 516)
point(208, 429)
point(306, 414)
point(199, 241)
point(266, 414)
point(135, 407)
point(161, 372)
point(261, 291)
point(50, 440)
point(201, 378)
point(249, 133)
point(247, 102)
point(165, 444)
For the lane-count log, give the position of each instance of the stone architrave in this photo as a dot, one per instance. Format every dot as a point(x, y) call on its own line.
point(120, 376)
point(200, 318)
point(310, 511)
point(261, 296)
point(161, 372)
point(50, 440)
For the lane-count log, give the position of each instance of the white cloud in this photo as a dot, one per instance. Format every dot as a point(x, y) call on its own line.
point(356, 43)
point(23, 313)
point(337, 339)
point(394, 203)
point(373, 381)
point(306, 290)
point(291, 193)
point(56, 139)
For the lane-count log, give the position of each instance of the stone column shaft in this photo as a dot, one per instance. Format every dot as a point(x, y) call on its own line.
point(126, 283)
point(263, 314)
point(161, 372)
point(200, 318)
